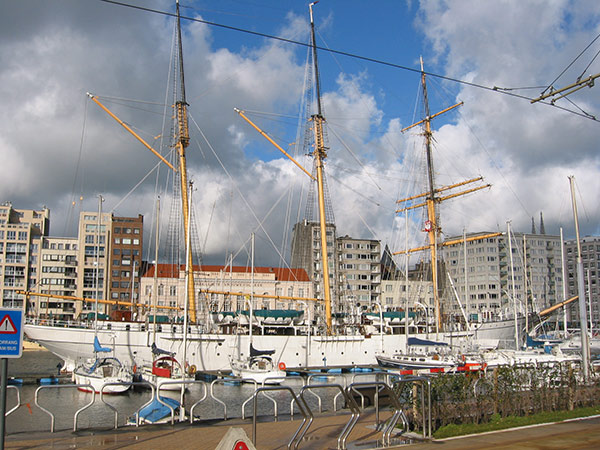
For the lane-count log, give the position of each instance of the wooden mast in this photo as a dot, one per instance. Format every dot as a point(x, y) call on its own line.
point(432, 226)
point(183, 140)
point(320, 154)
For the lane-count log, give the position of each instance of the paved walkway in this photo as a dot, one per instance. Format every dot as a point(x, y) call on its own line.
point(322, 435)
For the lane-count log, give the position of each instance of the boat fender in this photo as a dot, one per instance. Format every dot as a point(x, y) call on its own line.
point(192, 369)
point(281, 365)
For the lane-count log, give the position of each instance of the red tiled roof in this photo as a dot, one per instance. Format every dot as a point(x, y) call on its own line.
point(281, 274)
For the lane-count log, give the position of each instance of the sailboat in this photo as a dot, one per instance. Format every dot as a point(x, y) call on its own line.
point(258, 366)
point(207, 350)
point(103, 370)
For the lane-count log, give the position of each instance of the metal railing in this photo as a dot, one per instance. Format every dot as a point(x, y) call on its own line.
point(295, 441)
point(127, 383)
point(341, 442)
point(348, 392)
point(10, 411)
point(64, 386)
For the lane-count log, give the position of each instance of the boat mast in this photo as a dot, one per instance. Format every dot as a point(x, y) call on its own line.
point(432, 223)
point(320, 154)
point(432, 199)
point(585, 347)
point(155, 281)
point(97, 263)
point(183, 140)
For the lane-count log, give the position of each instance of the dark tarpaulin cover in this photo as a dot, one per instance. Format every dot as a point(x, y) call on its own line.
point(254, 352)
point(417, 341)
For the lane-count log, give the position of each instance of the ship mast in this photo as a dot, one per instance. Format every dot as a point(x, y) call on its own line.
point(432, 198)
point(431, 227)
point(320, 154)
point(182, 142)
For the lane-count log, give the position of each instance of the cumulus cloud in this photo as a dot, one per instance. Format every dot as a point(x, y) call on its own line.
point(57, 146)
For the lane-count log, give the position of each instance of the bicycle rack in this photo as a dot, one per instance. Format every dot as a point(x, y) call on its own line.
point(212, 394)
point(422, 380)
point(351, 403)
point(292, 444)
point(362, 397)
point(181, 383)
point(398, 413)
point(252, 396)
point(7, 413)
point(63, 386)
point(127, 383)
point(137, 413)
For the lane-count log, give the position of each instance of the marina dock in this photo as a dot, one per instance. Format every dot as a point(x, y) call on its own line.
point(581, 434)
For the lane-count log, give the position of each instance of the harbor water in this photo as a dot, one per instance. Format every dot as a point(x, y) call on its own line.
point(64, 401)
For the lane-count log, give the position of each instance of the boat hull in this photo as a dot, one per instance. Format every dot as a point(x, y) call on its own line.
point(211, 351)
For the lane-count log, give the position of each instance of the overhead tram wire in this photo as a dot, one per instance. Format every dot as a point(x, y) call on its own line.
point(570, 64)
point(350, 55)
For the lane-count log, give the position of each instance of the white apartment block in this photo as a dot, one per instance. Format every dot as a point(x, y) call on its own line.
point(483, 272)
point(93, 260)
point(21, 231)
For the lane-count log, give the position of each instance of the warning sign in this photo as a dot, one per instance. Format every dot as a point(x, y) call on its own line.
point(7, 326)
point(11, 332)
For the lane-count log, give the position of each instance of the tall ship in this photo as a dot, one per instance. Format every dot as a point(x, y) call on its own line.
point(315, 334)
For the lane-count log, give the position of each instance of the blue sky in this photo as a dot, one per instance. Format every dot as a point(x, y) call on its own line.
point(57, 147)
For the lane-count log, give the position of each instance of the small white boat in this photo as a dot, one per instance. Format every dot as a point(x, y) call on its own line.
point(259, 366)
point(165, 369)
point(422, 354)
point(416, 361)
point(101, 371)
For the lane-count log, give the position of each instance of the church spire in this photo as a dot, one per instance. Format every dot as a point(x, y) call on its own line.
point(542, 228)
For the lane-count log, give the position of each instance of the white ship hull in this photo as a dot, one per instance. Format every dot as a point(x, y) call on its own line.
point(211, 351)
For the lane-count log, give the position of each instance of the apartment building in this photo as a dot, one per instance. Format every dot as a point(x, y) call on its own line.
point(214, 286)
point(21, 231)
point(590, 257)
point(359, 272)
point(491, 274)
point(93, 260)
point(306, 254)
point(57, 276)
point(125, 263)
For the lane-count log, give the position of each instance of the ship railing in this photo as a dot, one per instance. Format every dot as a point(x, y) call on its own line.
point(65, 386)
point(10, 411)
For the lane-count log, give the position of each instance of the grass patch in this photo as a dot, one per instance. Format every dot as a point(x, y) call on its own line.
point(501, 423)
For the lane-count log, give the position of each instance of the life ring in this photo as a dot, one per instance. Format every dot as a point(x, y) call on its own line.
point(135, 368)
point(281, 365)
point(192, 369)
